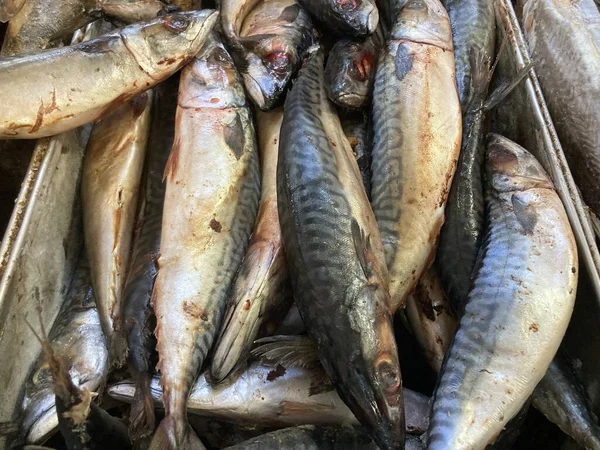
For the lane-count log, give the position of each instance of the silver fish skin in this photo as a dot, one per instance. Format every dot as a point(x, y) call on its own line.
point(8, 8)
point(78, 338)
point(41, 24)
point(270, 395)
point(208, 217)
point(519, 308)
point(268, 40)
point(473, 33)
point(561, 399)
point(564, 40)
point(431, 319)
point(354, 18)
point(71, 86)
point(138, 317)
point(417, 130)
point(110, 185)
point(336, 259)
point(261, 287)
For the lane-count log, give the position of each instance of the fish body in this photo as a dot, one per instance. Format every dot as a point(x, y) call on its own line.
point(336, 259)
point(354, 18)
point(350, 70)
point(271, 395)
point(356, 129)
point(138, 318)
point(78, 338)
point(416, 141)
point(71, 86)
point(207, 221)
point(431, 319)
point(561, 399)
point(564, 40)
point(8, 8)
point(268, 40)
point(518, 310)
point(110, 183)
point(473, 33)
point(260, 289)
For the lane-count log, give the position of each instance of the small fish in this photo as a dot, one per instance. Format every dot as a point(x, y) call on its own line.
point(138, 317)
point(261, 288)
point(519, 308)
point(110, 184)
point(268, 394)
point(336, 259)
point(561, 399)
point(77, 338)
point(354, 18)
point(473, 33)
point(564, 40)
point(431, 319)
point(268, 40)
point(8, 8)
point(60, 89)
point(417, 133)
point(208, 217)
point(350, 70)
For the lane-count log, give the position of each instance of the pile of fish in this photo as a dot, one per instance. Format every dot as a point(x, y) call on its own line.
point(267, 186)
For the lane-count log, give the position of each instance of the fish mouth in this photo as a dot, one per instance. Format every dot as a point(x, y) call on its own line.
point(43, 427)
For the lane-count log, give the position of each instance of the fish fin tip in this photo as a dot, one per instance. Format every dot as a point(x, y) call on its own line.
point(142, 417)
point(362, 245)
point(165, 437)
point(288, 351)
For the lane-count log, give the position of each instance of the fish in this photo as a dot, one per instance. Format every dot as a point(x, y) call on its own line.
point(82, 423)
point(110, 185)
point(261, 288)
point(431, 319)
point(473, 30)
point(356, 126)
point(138, 317)
point(564, 41)
point(42, 24)
point(267, 40)
point(78, 339)
point(208, 218)
point(350, 70)
point(267, 394)
point(8, 8)
point(336, 259)
point(560, 397)
point(518, 309)
point(112, 69)
point(417, 128)
point(354, 18)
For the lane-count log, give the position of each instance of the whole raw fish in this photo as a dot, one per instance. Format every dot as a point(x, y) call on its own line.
point(417, 133)
point(260, 290)
point(56, 90)
point(564, 40)
point(110, 184)
point(473, 33)
point(268, 39)
point(138, 317)
point(518, 310)
point(336, 259)
point(211, 201)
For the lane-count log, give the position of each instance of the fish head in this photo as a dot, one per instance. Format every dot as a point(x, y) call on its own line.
point(349, 73)
point(512, 168)
point(373, 388)
point(423, 21)
point(212, 79)
point(362, 15)
point(167, 43)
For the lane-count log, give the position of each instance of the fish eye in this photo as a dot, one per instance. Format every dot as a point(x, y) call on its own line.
point(176, 23)
point(388, 376)
point(277, 61)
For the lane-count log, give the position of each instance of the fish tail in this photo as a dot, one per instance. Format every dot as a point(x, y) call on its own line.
point(171, 435)
point(142, 415)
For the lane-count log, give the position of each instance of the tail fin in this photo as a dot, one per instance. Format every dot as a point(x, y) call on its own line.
point(142, 416)
point(165, 437)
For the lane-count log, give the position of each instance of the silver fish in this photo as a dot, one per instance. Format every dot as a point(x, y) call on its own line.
point(70, 86)
point(519, 308)
point(207, 221)
point(260, 290)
